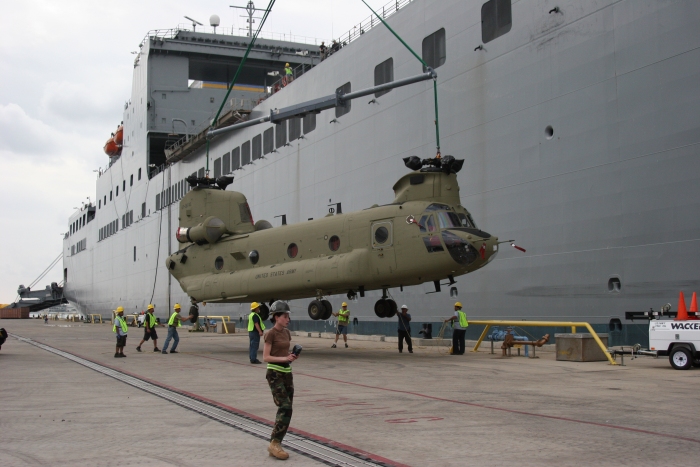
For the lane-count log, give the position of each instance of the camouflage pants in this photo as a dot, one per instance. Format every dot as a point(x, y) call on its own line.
point(282, 387)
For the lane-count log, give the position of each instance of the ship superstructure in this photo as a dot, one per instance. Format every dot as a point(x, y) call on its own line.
point(577, 121)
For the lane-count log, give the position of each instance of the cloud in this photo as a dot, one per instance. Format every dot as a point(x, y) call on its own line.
point(22, 135)
point(73, 103)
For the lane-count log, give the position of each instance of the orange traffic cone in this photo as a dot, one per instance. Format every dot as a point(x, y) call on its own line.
point(694, 305)
point(682, 314)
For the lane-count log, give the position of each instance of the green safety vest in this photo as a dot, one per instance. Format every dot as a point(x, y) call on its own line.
point(462, 319)
point(281, 369)
point(343, 316)
point(251, 323)
point(288, 71)
point(151, 320)
point(172, 320)
point(122, 323)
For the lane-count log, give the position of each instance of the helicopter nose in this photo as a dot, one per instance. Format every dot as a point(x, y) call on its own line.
point(467, 246)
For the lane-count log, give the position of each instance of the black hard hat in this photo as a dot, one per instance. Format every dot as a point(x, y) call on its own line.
point(279, 307)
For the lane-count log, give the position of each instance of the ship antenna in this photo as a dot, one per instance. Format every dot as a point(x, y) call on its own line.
point(235, 77)
point(426, 68)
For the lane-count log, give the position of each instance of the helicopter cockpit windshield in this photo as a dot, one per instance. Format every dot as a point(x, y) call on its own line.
point(443, 217)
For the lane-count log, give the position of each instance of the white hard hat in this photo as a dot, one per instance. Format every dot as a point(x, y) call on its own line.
point(404, 307)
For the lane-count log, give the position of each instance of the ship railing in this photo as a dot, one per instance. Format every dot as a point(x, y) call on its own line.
point(238, 32)
point(284, 81)
point(386, 11)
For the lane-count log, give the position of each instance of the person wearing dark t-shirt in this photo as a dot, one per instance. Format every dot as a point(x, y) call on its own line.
point(279, 375)
point(405, 329)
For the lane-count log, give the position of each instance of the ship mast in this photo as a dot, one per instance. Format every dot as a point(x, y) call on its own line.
point(250, 9)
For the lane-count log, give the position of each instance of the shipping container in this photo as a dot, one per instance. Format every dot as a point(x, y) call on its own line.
point(14, 313)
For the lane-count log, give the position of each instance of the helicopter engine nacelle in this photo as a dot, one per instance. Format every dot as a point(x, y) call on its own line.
point(209, 231)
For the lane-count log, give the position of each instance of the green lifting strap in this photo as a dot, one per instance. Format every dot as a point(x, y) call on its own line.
point(437, 119)
point(238, 71)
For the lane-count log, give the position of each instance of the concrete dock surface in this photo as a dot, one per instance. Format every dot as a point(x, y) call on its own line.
point(422, 409)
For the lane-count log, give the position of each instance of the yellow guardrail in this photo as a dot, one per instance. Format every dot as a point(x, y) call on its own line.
point(572, 324)
point(224, 321)
point(93, 318)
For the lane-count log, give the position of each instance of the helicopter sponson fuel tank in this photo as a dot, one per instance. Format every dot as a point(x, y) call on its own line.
point(424, 235)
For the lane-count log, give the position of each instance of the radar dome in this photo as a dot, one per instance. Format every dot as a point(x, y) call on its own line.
point(214, 20)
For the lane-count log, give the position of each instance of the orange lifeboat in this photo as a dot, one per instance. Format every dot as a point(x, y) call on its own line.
point(119, 135)
point(111, 148)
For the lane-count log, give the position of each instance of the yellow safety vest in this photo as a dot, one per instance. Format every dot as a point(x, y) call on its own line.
point(288, 71)
point(172, 320)
point(462, 319)
point(343, 316)
point(122, 323)
point(151, 320)
point(251, 323)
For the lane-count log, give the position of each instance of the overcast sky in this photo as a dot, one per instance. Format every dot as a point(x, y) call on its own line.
point(66, 73)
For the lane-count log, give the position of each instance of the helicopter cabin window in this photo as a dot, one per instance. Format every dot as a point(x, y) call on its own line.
point(466, 221)
point(294, 128)
point(254, 257)
point(245, 153)
point(434, 49)
point(280, 135)
point(448, 219)
point(244, 210)
point(437, 207)
point(381, 235)
point(236, 159)
point(268, 140)
point(257, 147)
point(219, 263)
point(139, 174)
point(226, 163)
point(345, 108)
point(433, 244)
point(309, 123)
point(383, 73)
point(334, 243)
point(427, 224)
point(496, 19)
point(217, 168)
point(131, 180)
point(292, 250)
point(200, 173)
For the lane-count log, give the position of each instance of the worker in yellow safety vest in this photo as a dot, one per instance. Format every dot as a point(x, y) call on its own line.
point(149, 332)
point(255, 332)
point(288, 74)
point(120, 328)
point(173, 323)
point(343, 322)
point(459, 323)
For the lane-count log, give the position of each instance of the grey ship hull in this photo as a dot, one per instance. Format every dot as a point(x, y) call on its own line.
point(606, 206)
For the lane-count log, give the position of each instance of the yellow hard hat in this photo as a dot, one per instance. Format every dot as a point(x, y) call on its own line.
point(150, 307)
point(286, 64)
point(120, 309)
point(344, 304)
point(459, 304)
point(177, 306)
point(254, 305)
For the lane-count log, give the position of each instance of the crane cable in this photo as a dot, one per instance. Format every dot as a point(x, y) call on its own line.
point(238, 71)
point(426, 67)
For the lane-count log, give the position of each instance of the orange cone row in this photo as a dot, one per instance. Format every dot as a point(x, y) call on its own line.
point(682, 314)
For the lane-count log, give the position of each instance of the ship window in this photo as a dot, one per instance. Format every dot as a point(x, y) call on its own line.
point(117, 193)
point(292, 250)
point(496, 19)
point(434, 49)
point(99, 204)
point(294, 128)
point(143, 210)
point(163, 96)
point(465, 221)
point(236, 159)
point(268, 137)
point(427, 224)
point(110, 197)
point(157, 201)
point(217, 168)
point(383, 73)
point(254, 257)
point(345, 108)
point(226, 163)
point(200, 173)
point(432, 244)
point(280, 135)
point(123, 185)
point(257, 147)
point(134, 254)
point(131, 216)
point(139, 174)
point(245, 153)
point(131, 180)
point(219, 263)
point(448, 219)
point(334, 243)
point(309, 123)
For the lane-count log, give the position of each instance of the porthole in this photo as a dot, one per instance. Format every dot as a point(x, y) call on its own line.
point(292, 250)
point(614, 284)
point(381, 235)
point(254, 257)
point(219, 263)
point(549, 132)
point(334, 243)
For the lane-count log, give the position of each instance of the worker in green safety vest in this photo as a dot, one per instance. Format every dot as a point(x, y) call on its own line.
point(120, 328)
point(255, 332)
point(173, 323)
point(149, 332)
point(343, 321)
point(459, 323)
point(288, 74)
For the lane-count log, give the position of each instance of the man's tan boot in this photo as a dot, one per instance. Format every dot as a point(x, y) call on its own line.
point(275, 450)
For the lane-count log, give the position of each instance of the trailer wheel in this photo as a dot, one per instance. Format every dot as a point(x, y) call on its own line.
point(680, 358)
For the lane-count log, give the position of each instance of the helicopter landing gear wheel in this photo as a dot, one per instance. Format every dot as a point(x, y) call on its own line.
point(264, 312)
point(328, 309)
point(393, 309)
point(195, 315)
point(316, 310)
point(382, 308)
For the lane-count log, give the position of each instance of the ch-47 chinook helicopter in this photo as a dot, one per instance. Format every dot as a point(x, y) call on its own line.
point(423, 235)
